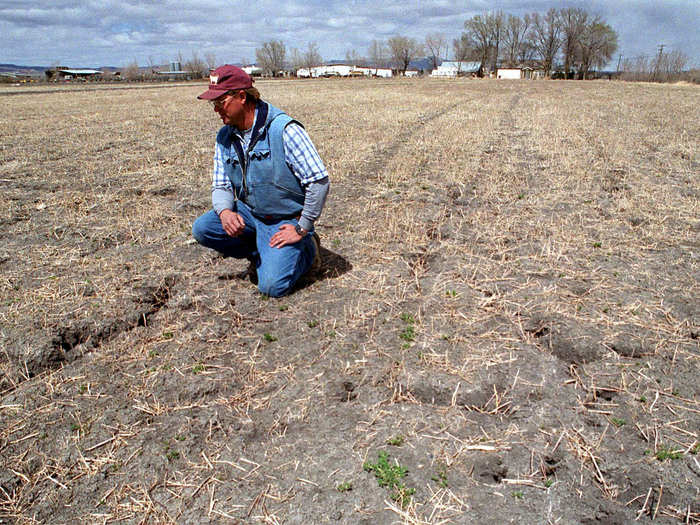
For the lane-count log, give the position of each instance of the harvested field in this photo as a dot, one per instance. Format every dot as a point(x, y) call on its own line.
point(508, 309)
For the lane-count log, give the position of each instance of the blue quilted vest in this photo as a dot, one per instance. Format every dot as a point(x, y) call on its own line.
point(260, 175)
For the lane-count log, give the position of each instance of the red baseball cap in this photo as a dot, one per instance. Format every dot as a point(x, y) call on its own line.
point(226, 78)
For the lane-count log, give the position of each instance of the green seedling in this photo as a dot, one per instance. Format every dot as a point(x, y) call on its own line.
point(196, 369)
point(284, 308)
point(618, 422)
point(440, 478)
point(346, 486)
point(391, 476)
point(665, 453)
point(451, 293)
point(407, 318)
point(313, 324)
point(168, 335)
point(269, 337)
point(395, 441)
point(518, 494)
point(408, 334)
point(548, 482)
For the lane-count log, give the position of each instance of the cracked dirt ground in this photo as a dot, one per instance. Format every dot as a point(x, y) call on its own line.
point(508, 307)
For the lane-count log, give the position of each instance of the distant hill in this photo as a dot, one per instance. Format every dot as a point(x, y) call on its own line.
point(39, 70)
point(27, 70)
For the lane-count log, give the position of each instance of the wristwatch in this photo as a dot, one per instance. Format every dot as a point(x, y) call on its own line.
point(300, 231)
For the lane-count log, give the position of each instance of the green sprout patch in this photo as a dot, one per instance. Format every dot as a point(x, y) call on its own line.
point(391, 476)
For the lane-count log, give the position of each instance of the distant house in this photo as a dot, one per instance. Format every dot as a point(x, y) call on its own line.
point(68, 74)
point(15, 77)
point(516, 73)
point(253, 71)
point(411, 73)
point(457, 69)
point(342, 70)
point(374, 71)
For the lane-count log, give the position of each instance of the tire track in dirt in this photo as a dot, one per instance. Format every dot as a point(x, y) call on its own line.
point(373, 166)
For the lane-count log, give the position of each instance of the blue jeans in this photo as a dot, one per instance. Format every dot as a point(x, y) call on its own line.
point(278, 269)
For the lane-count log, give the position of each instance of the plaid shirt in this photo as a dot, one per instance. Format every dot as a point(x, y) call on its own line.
point(300, 154)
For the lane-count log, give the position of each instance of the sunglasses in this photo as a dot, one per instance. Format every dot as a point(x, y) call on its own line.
point(219, 102)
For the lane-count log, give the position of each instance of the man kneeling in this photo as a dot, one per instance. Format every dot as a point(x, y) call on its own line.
point(269, 186)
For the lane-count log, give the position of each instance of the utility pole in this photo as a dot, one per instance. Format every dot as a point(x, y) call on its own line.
point(658, 61)
point(619, 59)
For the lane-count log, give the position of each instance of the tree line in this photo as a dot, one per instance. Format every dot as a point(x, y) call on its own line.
point(578, 39)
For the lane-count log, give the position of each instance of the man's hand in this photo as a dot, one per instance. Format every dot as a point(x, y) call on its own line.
point(232, 223)
point(286, 235)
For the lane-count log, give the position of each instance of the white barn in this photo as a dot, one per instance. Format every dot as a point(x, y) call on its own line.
point(333, 70)
point(253, 71)
point(509, 73)
point(374, 71)
point(342, 70)
point(516, 73)
point(451, 69)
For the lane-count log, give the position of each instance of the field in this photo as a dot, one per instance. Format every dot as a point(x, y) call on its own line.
point(505, 328)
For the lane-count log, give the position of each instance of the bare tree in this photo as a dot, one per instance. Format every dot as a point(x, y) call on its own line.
point(464, 50)
point(672, 65)
point(478, 31)
point(195, 66)
point(211, 60)
point(435, 44)
point(151, 74)
point(496, 25)
point(403, 49)
point(295, 60)
point(515, 35)
point(311, 56)
point(377, 53)
point(598, 43)
point(131, 72)
point(271, 57)
point(547, 38)
point(573, 24)
point(352, 57)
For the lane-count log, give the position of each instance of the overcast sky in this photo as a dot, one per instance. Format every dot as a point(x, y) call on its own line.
point(95, 33)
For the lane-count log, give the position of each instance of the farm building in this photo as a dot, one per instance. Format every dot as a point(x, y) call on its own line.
point(342, 70)
point(175, 72)
point(516, 73)
point(456, 69)
point(15, 77)
point(411, 73)
point(253, 71)
point(332, 70)
point(68, 74)
point(374, 71)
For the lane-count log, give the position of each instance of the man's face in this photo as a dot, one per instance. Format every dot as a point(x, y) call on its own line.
point(230, 107)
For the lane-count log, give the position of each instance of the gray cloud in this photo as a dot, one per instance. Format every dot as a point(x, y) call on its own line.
point(112, 32)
